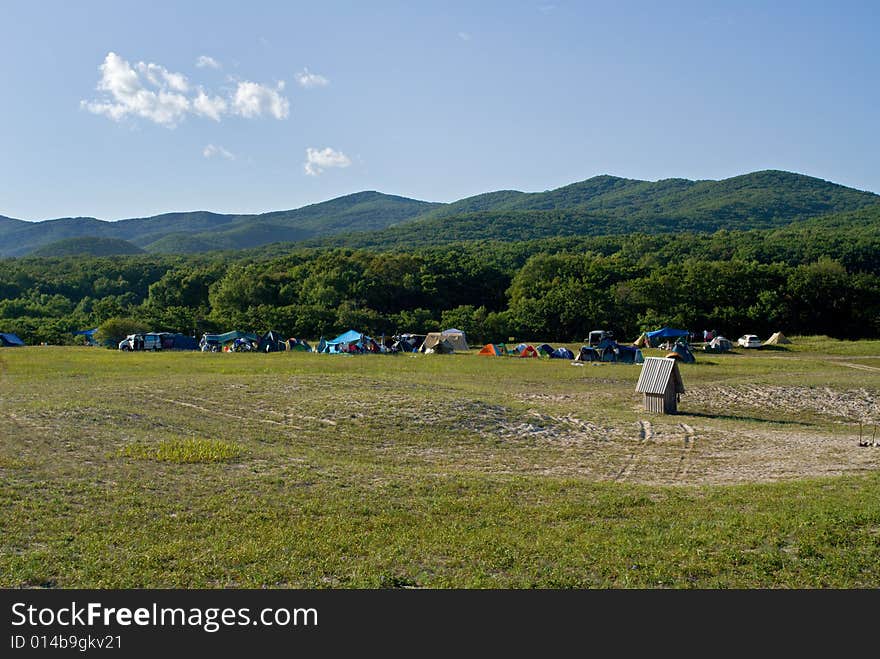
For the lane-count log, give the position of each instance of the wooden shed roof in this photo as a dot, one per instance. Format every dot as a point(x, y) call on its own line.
point(656, 373)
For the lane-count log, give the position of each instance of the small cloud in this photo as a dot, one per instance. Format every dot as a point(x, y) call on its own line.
point(206, 62)
point(317, 160)
point(307, 79)
point(464, 36)
point(546, 8)
point(252, 99)
point(215, 151)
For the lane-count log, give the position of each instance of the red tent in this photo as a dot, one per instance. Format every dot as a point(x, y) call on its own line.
point(529, 351)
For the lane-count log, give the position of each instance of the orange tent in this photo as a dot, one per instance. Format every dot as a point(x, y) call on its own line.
point(491, 350)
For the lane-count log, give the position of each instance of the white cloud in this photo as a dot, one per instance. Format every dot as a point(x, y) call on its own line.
point(464, 36)
point(150, 91)
point(317, 160)
point(213, 107)
point(162, 78)
point(205, 61)
point(307, 79)
point(252, 99)
point(213, 150)
point(127, 95)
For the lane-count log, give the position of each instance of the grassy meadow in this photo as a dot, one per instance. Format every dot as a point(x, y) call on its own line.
point(327, 471)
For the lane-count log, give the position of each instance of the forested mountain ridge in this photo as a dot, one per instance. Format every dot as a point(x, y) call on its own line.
point(202, 231)
point(601, 205)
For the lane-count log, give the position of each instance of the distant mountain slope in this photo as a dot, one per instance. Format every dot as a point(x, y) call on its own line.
point(606, 206)
point(600, 205)
point(201, 230)
point(764, 195)
point(9, 223)
point(87, 246)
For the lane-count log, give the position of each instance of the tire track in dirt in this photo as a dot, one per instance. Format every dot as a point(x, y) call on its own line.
point(684, 460)
point(216, 412)
point(861, 367)
point(645, 434)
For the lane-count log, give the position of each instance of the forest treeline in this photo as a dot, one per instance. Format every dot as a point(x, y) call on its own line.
point(804, 279)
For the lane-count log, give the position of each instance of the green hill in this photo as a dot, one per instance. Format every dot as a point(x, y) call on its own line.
point(87, 246)
point(602, 205)
point(607, 205)
point(202, 231)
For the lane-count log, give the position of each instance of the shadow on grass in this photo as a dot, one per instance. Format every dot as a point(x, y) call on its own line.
point(743, 417)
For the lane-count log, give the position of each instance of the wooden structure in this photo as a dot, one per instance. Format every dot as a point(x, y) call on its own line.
point(660, 384)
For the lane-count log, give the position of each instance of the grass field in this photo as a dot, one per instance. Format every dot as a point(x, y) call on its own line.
point(303, 470)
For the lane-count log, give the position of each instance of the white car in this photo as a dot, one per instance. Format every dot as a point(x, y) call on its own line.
point(749, 341)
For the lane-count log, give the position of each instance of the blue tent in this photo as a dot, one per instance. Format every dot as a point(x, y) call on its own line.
point(88, 335)
point(667, 333)
point(348, 337)
point(10, 341)
point(562, 353)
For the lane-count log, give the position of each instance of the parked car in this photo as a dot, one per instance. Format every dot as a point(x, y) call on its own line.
point(151, 341)
point(749, 341)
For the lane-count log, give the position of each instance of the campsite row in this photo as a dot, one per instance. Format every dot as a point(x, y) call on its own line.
point(601, 345)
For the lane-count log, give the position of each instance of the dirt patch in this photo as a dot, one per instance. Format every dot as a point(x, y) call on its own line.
point(849, 406)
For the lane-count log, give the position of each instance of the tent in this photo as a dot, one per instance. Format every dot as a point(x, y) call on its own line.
point(456, 338)
point(300, 345)
point(562, 353)
point(587, 354)
point(778, 338)
point(443, 347)
point(656, 337)
point(436, 338)
point(492, 350)
point(545, 350)
point(271, 341)
point(718, 344)
point(527, 351)
point(629, 355)
point(9, 340)
point(683, 353)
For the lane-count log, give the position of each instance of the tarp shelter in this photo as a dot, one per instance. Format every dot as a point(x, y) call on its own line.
point(9, 340)
point(656, 337)
point(527, 351)
point(492, 350)
point(661, 385)
point(218, 341)
point(271, 341)
point(562, 353)
point(443, 347)
point(456, 338)
point(88, 335)
point(778, 338)
point(682, 352)
point(351, 341)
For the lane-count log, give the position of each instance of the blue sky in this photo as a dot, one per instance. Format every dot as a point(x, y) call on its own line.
point(301, 103)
